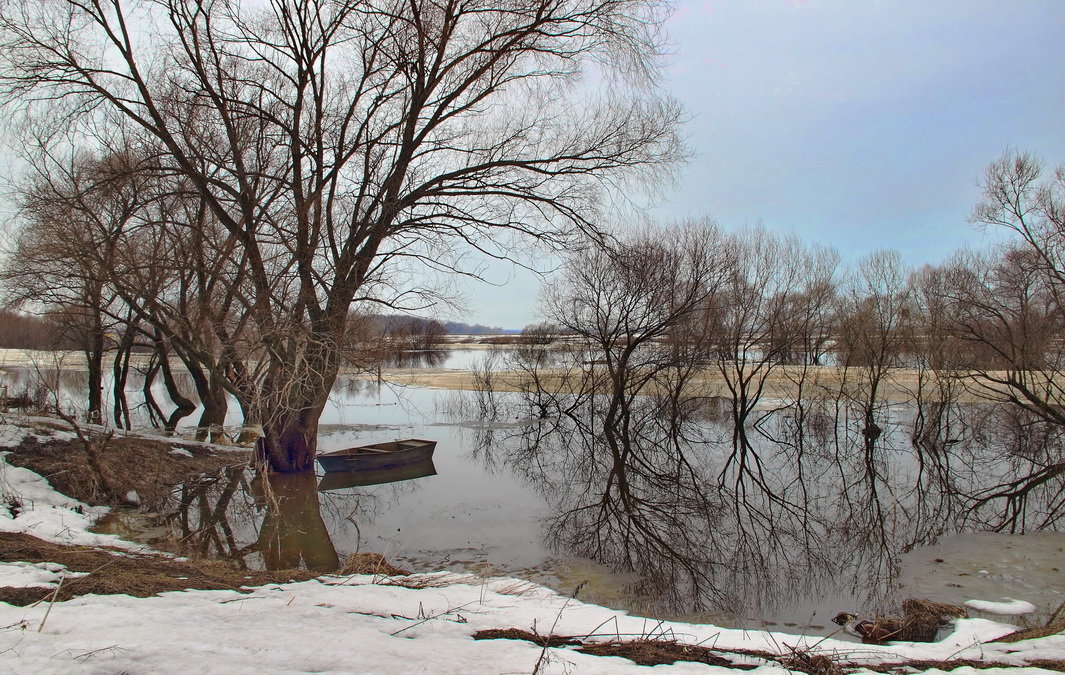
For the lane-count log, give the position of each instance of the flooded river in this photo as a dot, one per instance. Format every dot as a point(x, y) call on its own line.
point(803, 522)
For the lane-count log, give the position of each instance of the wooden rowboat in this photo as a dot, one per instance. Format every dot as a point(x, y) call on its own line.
point(378, 455)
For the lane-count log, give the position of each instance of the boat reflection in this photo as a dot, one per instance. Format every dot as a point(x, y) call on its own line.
point(340, 480)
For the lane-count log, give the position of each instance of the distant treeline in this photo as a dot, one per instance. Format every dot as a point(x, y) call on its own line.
point(397, 323)
point(25, 331)
point(459, 328)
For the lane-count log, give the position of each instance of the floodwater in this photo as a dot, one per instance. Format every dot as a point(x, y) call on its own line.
point(804, 522)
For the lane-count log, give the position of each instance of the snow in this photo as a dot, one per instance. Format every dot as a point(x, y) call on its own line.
point(356, 625)
point(334, 624)
point(29, 504)
point(180, 451)
point(11, 435)
point(1007, 606)
point(23, 574)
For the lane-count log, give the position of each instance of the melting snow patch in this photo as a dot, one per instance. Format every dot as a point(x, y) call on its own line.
point(23, 574)
point(29, 504)
point(1005, 606)
point(360, 626)
point(180, 451)
point(11, 436)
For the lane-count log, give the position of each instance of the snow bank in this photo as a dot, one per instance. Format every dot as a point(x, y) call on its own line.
point(1007, 606)
point(354, 625)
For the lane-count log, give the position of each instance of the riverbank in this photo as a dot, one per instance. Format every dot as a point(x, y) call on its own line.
point(287, 621)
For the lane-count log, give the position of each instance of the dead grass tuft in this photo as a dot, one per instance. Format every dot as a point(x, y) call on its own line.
point(370, 563)
point(1055, 625)
point(516, 588)
point(660, 652)
point(812, 663)
point(653, 652)
point(415, 582)
point(925, 618)
point(947, 666)
point(644, 652)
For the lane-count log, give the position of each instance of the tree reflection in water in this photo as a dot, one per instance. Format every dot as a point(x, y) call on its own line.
point(828, 508)
point(292, 533)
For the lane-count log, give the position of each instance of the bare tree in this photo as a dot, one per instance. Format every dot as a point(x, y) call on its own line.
point(873, 317)
point(1004, 308)
point(1010, 306)
point(774, 296)
point(1018, 198)
point(639, 310)
point(335, 142)
point(60, 261)
point(939, 356)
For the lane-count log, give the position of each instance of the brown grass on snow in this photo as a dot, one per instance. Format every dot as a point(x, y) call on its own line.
point(120, 572)
point(131, 463)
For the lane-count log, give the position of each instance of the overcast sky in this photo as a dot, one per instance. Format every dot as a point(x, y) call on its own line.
point(862, 124)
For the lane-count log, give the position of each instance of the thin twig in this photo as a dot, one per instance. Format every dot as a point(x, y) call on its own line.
point(55, 596)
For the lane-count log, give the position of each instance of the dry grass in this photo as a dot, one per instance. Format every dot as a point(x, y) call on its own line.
point(130, 463)
point(516, 588)
point(642, 651)
point(810, 662)
point(119, 572)
point(920, 665)
point(647, 651)
point(821, 381)
point(416, 582)
point(370, 563)
point(925, 618)
point(518, 634)
point(1055, 625)
point(661, 652)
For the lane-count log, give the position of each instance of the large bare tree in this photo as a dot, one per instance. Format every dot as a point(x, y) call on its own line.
point(72, 212)
point(1009, 304)
point(334, 141)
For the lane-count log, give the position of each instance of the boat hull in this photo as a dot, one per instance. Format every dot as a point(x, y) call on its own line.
point(377, 456)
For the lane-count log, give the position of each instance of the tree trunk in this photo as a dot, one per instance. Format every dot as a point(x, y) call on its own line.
point(294, 402)
point(94, 359)
point(121, 372)
point(212, 398)
point(250, 431)
point(290, 440)
point(172, 390)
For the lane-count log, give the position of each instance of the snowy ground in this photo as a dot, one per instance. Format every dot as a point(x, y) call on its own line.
point(364, 624)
